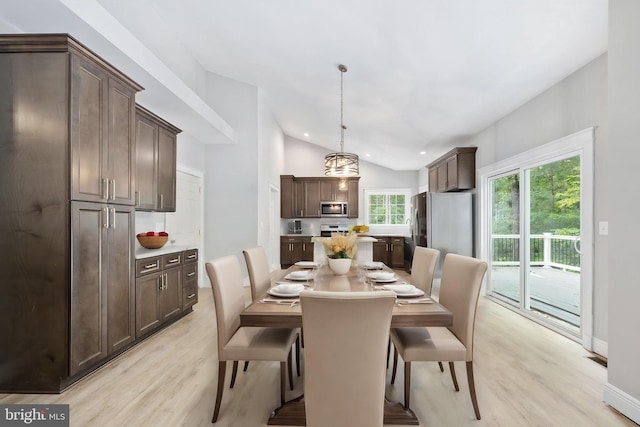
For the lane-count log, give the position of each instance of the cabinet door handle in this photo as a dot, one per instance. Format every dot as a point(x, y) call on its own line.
point(148, 266)
point(172, 261)
point(192, 256)
point(105, 217)
point(136, 200)
point(113, 217)
point(191, 274)
point(105, 189)
point(159, 282)
point(191, 296)
point(113, 189)
point(161, 201)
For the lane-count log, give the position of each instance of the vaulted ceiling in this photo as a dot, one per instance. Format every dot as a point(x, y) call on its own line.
point(423, 75)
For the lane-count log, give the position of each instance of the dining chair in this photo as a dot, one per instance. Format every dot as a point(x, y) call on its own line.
point(242, 343)
point(459, 291)
point(423, 267)
point(345, 338)
point(260, 281)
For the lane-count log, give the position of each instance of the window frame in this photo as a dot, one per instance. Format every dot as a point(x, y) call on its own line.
point(406, 192)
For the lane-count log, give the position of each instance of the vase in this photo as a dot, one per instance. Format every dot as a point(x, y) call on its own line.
point(340, 265)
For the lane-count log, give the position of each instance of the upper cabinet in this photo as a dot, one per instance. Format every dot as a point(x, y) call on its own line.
point(301, 197)
point(454, 171)
point(155, 162)
point(102, 109)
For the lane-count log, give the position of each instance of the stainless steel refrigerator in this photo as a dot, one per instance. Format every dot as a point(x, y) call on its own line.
point(443, 221)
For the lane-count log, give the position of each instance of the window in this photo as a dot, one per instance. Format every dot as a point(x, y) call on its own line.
point(387, 207)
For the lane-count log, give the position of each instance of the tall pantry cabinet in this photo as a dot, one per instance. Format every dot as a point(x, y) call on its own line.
point(67, 179)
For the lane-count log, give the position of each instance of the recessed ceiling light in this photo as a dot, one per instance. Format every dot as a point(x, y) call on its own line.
point(423, 152)
point(305, 134)
point(368, 155)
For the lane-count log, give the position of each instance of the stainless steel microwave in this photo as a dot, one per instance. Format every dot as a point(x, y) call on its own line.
point(334, 209)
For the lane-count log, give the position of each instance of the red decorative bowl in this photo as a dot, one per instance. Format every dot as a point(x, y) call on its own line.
point(155, 241)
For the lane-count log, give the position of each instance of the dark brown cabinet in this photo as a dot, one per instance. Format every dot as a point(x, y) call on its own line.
point(67, 126)
point(301, 197)
point(102, 286)
point(454, 171)
point(294, 249)
point(158, 291)
point(155, 162)
point(389, 250)
point(190, 279)
point(101, 107)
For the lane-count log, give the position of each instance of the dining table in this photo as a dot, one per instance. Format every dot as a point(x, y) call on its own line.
point(275, 309)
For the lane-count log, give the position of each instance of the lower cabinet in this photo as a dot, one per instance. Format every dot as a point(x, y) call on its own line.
point(166, 286)
point(390, 250)
point(294, 249)
point(102, 291)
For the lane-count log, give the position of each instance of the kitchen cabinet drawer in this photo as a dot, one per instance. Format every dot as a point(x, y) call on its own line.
point(190, 272)
point(172, 260)
point(146, 266)
point(190, 255)
point(189, 296)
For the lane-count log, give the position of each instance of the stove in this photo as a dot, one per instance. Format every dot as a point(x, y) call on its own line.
point(327, 229)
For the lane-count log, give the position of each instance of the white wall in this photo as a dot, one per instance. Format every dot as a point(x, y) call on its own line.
point(623, 388)
point(576, 103)
point(231, 181)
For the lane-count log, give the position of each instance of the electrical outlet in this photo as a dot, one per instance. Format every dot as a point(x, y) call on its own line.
point(603, 227)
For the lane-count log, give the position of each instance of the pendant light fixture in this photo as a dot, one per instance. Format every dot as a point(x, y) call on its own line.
point(341, 164)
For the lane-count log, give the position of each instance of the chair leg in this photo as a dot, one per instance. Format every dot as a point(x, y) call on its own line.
point(472, 389)
point(441, 367)
point(290, 370)
point(388, 352)
point(283, 368)
point(407, 384)
point(395, 365)
point(234, 373)
point(222, 370)
point(453, 376)
point(298, 355)
point(246, 365)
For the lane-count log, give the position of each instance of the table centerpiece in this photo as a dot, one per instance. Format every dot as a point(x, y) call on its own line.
point(341, 248)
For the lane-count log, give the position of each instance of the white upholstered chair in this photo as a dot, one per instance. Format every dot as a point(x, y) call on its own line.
point(345, 338)
point(260, 281)
point(423, 267)
point(459, 291)
point(246, 343)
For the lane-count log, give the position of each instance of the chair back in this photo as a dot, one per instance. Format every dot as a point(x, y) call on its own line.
point(459, 291)
point(345, 343)
point(423, 267)
point(228, 296)
point(258, 268)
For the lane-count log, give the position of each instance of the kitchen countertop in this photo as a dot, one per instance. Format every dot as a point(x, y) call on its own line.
point(166, 249)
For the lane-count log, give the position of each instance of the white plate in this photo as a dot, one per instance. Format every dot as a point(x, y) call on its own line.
point(393, 279)
point(401, 288)
point(382, 276)
point(275, 293)
point(417, 293)
point(288, 288)
point(306, 264)
point(374, 265)
point(299, 275)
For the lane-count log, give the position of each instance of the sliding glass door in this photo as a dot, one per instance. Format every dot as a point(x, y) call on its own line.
point(538, 221)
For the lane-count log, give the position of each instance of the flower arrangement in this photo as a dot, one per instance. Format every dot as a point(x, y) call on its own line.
point(341, 245)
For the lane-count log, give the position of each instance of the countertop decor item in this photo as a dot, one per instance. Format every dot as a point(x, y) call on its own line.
point(341, 164)
point(153, 239)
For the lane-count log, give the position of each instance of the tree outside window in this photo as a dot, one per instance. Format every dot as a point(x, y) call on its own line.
point(387, 207)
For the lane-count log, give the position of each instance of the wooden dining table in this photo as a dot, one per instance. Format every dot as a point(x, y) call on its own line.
point(270, 311)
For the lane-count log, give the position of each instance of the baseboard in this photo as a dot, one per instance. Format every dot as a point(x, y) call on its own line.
point(600, 347)
point(622, 402)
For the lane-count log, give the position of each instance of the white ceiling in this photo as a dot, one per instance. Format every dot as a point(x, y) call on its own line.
point(423, 74)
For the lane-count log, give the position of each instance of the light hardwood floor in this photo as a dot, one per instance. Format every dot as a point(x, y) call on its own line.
point(526, 375)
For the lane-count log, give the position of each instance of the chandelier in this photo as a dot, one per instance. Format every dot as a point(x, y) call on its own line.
point(341, 164)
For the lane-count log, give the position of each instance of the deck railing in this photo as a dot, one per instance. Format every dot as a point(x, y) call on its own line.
point(546, 250)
